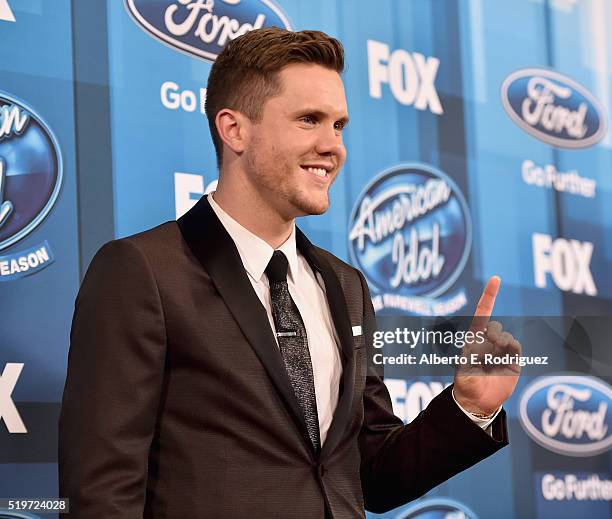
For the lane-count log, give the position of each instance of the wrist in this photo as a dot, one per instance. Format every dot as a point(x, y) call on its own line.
point(473, 408)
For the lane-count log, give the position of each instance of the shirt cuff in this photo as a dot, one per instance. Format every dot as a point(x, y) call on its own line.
point(483, 423)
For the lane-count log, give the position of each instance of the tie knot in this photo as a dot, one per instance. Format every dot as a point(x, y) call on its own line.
point(277, 267)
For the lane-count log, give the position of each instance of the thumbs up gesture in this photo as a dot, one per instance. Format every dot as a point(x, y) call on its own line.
point(483, 388)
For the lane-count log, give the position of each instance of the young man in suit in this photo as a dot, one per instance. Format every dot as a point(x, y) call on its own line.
point(216, 367)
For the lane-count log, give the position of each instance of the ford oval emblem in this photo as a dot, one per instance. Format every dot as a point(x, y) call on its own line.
point(203, 28)
point(436, 508)
point(568, 414)
point(553, 108)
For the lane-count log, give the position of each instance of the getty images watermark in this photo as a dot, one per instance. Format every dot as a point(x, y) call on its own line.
point(535, 346)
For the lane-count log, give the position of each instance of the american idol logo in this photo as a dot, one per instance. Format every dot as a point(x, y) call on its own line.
point(203, 27)
point(568, 414)
point(410, 232)
point(436, 508)
point(553, 108)
point(30, 182)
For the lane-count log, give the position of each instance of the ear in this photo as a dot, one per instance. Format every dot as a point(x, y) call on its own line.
point(233, 128)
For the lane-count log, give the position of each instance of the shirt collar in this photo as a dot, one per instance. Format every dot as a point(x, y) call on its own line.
point(254, 252)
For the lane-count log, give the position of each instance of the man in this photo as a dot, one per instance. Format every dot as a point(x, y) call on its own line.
point(217, 365)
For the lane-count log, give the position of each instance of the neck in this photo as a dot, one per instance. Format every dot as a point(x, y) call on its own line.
point(254, 214)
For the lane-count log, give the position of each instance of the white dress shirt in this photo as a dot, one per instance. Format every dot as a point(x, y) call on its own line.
point(308, 292)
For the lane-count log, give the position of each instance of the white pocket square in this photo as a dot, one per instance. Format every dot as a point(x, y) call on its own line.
point(357, 331)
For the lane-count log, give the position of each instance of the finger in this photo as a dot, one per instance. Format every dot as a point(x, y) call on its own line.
point(504, 339)
point(494, 331)
point(487, 300)
point(515, 348)
point(484, 308)
point(500, 346)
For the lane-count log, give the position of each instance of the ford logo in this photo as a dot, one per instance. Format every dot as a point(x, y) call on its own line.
point(30, 170)
point(568, 414)
point(553, 108)
point(410, 231)
point(203, 27)
point(436, 508)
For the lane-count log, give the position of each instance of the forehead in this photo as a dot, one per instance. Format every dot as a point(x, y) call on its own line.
point(311, 85)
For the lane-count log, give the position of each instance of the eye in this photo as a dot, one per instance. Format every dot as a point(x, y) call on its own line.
point(339, 125)
point(308, 119)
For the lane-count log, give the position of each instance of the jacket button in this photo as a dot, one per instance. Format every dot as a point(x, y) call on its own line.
point(322, 470)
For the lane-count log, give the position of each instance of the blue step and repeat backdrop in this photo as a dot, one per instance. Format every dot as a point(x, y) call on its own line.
point(479, 144)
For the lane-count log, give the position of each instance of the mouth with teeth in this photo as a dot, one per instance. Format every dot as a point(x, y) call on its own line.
point(320, 174)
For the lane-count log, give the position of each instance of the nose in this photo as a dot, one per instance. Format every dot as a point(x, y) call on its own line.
point(329, 142)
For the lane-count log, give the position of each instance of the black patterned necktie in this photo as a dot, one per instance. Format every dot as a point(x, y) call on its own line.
point(293, 343)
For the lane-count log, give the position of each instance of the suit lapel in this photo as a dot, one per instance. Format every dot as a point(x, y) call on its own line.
point(216, 251)
point(342, 322)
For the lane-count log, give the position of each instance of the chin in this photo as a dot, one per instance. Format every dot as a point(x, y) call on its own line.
point(312, 207)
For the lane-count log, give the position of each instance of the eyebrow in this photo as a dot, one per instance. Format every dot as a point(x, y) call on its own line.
point(321, 114)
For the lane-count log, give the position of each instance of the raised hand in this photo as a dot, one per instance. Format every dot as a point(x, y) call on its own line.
point(481, 386)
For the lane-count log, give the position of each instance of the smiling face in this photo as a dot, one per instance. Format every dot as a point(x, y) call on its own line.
point(295, 151)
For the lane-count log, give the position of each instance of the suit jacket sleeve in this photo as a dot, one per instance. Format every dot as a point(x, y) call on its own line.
point(111, 396)
point(402, 462)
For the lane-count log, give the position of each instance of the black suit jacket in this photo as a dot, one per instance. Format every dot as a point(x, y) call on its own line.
point(177, 403)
